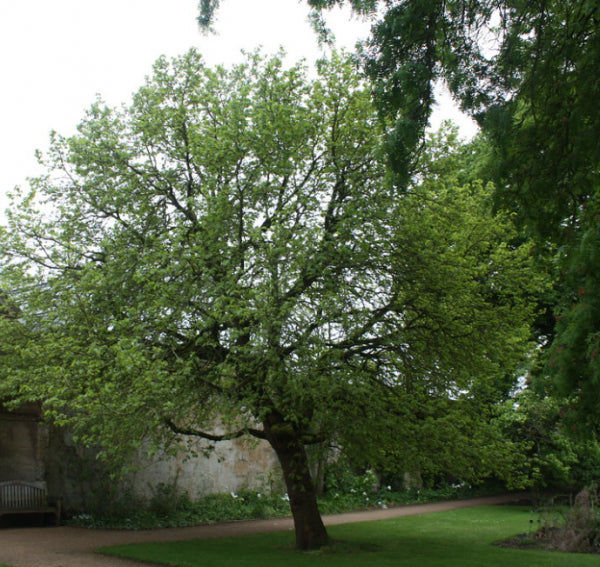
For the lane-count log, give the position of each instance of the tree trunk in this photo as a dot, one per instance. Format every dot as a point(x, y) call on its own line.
point(290, 450)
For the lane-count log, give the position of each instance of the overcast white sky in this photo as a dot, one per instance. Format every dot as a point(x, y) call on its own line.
point(56, 55)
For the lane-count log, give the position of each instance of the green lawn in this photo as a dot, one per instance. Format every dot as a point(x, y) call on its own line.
point(461, 538)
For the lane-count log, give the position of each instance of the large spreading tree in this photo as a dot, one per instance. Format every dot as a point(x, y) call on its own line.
point(227, 256)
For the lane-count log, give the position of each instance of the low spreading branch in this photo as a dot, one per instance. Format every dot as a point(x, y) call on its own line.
point(258, 433)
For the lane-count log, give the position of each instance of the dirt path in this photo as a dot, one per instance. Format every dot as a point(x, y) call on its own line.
point(74, 547)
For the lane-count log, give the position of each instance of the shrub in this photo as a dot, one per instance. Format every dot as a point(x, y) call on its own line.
point(580, 531)
point(167, 510)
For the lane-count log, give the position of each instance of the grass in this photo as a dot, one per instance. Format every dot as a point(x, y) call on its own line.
point(460, 538)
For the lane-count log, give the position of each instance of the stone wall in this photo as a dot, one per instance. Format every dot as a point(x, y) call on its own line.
point(23, 444)
point(84, 483)
point(231, 466)
point(33, 451)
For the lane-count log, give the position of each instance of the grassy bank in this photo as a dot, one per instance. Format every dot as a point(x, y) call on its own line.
point(461, 538)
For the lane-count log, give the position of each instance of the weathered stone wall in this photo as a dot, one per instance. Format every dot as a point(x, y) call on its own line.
point(232, 465)
point(23, 445)
point(84, 484)
point(74, 473)
point(33, 451)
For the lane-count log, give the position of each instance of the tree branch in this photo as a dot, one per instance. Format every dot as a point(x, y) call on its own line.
point(258, 433)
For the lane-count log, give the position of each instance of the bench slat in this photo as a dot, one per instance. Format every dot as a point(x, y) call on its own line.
point(19, 497)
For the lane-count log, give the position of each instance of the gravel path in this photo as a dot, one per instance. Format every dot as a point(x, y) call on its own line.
point(74, 547)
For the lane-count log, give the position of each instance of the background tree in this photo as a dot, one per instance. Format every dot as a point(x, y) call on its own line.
point(227, 254)
point(550, 458)
point(446, 432)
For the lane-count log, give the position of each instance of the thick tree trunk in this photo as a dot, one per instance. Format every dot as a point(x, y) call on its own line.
point(310, 530)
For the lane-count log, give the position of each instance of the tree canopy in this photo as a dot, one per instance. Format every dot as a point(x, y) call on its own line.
point(526, 71)
point(227, 255)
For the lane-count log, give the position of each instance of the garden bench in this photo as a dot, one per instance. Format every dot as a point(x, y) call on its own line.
point(20, 497)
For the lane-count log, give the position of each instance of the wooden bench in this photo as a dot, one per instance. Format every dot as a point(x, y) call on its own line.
point(19, 497)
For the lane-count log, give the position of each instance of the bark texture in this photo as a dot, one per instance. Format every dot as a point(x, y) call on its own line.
point(291, 452)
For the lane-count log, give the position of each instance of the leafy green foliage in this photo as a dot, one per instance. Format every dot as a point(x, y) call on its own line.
point(203, 238)
point(574, 360)
point(454, 436)
point(527, 72)
point(206, 12)
point(348, 490)
point(551, 458)
point(170, 510)
point(227, 255)
point(180, 511)
point(228, 247)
